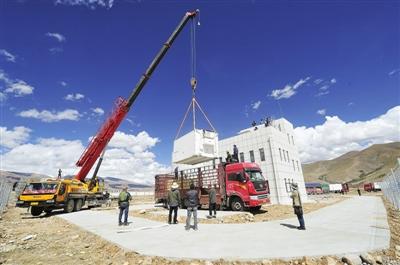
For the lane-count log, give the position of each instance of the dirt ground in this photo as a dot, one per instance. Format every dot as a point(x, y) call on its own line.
point(51, 240)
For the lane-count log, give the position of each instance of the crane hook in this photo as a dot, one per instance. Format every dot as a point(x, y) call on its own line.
point(193, 83)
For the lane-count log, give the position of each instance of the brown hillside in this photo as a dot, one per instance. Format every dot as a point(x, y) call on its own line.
point(355, 167)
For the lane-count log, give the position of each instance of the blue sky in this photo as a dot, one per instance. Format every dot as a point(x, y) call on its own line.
point(313, 59)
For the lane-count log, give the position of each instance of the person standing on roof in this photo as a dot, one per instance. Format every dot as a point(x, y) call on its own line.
point(192, 202)
point(235, 153)
point(212, 202)
point(297, 206)
point(173, 201)
point(228, 157)
point(123, 203)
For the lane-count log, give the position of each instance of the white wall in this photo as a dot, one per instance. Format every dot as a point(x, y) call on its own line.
point(280, 152)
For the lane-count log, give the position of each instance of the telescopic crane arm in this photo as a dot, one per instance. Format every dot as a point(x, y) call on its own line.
point(106, 131)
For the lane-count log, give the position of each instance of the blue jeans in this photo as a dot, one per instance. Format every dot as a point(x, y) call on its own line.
point(190, 211)
point(123, 210)
point(301, 220)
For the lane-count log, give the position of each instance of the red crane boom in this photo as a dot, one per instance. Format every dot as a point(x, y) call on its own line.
point(104, 135)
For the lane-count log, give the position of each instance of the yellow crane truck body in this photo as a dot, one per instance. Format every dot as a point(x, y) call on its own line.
point(68, 194)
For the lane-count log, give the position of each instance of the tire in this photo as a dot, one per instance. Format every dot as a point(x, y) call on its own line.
point(36, 211)
point(78, 205)
point(69, 206)
point(237, 204)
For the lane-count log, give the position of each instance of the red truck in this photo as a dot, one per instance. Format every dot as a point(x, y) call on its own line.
point(238, 185)
point(372, 187)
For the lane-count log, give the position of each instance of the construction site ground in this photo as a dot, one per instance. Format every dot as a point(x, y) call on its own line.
point(51, 239)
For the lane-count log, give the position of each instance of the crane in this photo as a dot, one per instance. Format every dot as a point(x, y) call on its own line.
point(122, 106)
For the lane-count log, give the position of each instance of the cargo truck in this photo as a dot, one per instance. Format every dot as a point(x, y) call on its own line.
point(239, 186)
point(372, 187)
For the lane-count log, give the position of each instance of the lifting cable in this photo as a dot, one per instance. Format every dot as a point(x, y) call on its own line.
point(193, 80)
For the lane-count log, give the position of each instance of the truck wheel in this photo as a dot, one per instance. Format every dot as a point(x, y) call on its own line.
point(78, 205)
point(36, 211)
point(237, 204)
point(69, 207)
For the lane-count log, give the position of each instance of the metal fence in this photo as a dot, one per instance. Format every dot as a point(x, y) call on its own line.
point(5, 191)
point(391, 186)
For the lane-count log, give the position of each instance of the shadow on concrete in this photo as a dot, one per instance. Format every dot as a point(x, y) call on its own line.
point(56, 212)
point(289, 226)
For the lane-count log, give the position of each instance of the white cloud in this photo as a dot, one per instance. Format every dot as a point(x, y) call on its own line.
point(333, 81)
point(321, 112)
point(3, 97)
point(323, 88)
point(16, 87)
point(127, 156)
point(350, 104)
point(15, 137)
point(289, 90)
point(336, 137)
point(92, 4)
point(51, 116)
point(19, 88)
point(74, 97)
point(8, 56)
point(98, 111)
point(56, 50)
point(256, 105)
point(56, 36)
point(394, 71)
point(318, 81)
point(63, 83)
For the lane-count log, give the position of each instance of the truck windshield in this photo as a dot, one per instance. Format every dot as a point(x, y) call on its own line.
point(255, 175)
point(40, 188)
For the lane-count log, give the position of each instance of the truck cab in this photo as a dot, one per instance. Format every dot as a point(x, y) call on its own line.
point(245, 186)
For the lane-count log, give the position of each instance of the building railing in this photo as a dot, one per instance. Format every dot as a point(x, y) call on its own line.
point(391, 186)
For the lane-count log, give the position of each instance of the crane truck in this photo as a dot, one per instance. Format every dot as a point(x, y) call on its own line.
point(72, 194)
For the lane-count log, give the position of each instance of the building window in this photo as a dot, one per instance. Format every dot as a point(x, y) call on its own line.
point(288, 137)
point(241, 157)
point(252, 156)
point(280, 153)
point(279, 126)
point(288, 158)
point(262, 155)
point(288, 183)
point(294, 168)
point(284, 155)
point(297, 162)
point(292, 140)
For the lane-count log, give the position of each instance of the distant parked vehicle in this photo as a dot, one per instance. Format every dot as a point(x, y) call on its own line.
point(345, 187)
point(336, 188)
point(313, 188)
point(368, 187)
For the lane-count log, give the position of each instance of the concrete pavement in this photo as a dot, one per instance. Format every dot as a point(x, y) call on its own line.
point(355, 225)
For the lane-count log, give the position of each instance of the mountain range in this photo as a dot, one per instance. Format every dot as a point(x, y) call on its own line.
point(355, 167)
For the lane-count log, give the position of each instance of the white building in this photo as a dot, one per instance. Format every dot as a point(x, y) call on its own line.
point(274, 149)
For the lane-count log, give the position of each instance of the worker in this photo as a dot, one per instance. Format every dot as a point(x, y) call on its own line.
point(107, 198)
point(212, 202)
point(173, 201)
point(235, 153)
point(123, 203)
point(359, 191)
point(192, 202)
point(228, 157)
point(176, 171)
point(297, 206)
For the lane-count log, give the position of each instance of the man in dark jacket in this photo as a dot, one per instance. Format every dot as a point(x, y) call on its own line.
point(192, 202)
point(297, 206)
point(173, 200)
point(212, 202)
point(123, 203)
point(235, 153)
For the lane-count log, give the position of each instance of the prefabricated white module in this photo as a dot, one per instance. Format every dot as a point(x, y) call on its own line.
point(195, 147)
